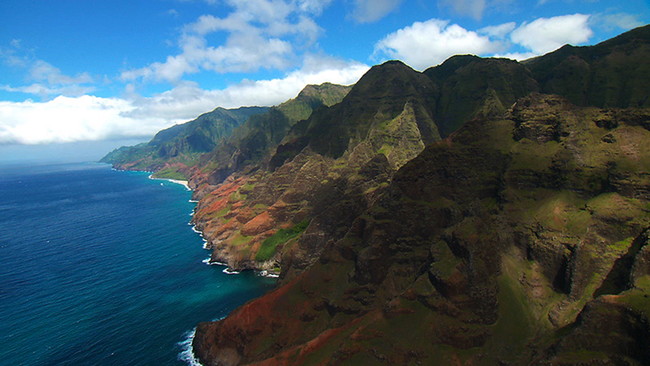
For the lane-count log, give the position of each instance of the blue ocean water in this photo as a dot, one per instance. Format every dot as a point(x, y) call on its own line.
point(100, 267)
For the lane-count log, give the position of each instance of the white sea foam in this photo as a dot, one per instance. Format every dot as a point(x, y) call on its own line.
point(213, 263)
point(207, 261)
point(206, 245)
point(187, 351)
point(184, 183)
point(230, 271)
point(268, 274)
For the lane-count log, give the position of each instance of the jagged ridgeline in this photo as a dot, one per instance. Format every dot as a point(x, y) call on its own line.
point(182, 143)
point(257, 138)
point(176, 152)
point(481, 212)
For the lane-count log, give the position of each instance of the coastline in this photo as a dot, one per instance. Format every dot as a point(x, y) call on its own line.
point(184, 183)
point(206, 244)
point(123, 216)
point(187, 354)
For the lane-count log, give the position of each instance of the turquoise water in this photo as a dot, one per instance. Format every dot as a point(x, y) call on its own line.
point(100, 267)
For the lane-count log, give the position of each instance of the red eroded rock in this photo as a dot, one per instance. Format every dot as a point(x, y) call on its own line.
point(258, 225)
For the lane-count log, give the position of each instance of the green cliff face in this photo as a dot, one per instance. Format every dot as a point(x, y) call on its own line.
point(481, 212)
point(309, 175)
point(519, 238)
point(499, 244)
point(254, 141)
point(182, 143)
point(614, 73)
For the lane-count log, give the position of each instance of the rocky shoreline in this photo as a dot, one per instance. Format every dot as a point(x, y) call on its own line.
point(221, 257)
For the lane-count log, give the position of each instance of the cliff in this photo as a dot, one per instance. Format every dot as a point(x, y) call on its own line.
point(516, 240)
point(482, 212)
point(318, 165)
point(333, 165)
point(181, 145)
point(519, 238)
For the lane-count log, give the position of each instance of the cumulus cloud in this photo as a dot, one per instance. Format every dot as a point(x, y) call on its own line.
point(548, 34)
point(187, 100)
point(66, 119)
point(259, 34)
point(429, 43)
point(367, 11)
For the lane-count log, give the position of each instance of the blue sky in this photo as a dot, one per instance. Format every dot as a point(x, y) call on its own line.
point(88, 70)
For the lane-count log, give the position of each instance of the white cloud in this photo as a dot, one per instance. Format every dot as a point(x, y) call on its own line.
point(187, 100)
point(43, 71)
point(83, 118)
point(260, 34)
point(613, 22)
point(498, 31)
point(315, 7)
point(45, 91)
point(519, 56)
point(472, 8)
point(429, 43)
point(548, 34)
point(66, 119)
point(48, 79)
point(367, 11)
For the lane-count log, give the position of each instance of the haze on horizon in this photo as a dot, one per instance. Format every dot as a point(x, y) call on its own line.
point(119, 71)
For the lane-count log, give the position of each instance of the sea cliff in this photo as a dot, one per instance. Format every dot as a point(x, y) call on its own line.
point(484, 211)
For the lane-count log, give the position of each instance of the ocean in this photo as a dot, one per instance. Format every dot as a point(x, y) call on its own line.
point(100, 267)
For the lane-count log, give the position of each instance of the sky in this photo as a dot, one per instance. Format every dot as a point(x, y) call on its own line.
point(110, 70)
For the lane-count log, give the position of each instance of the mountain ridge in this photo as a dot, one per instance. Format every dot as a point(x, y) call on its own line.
point(195, 137)
point(484, 211)
point(495, 245)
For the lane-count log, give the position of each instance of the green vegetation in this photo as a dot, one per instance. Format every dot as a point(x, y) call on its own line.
point(170, 173)
point(184, 142)
point(638, 298)
point(247, 188)
point(240, 239)
point(269, 246)
point(483, 246)
point(221, 213)
point(237, 196)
